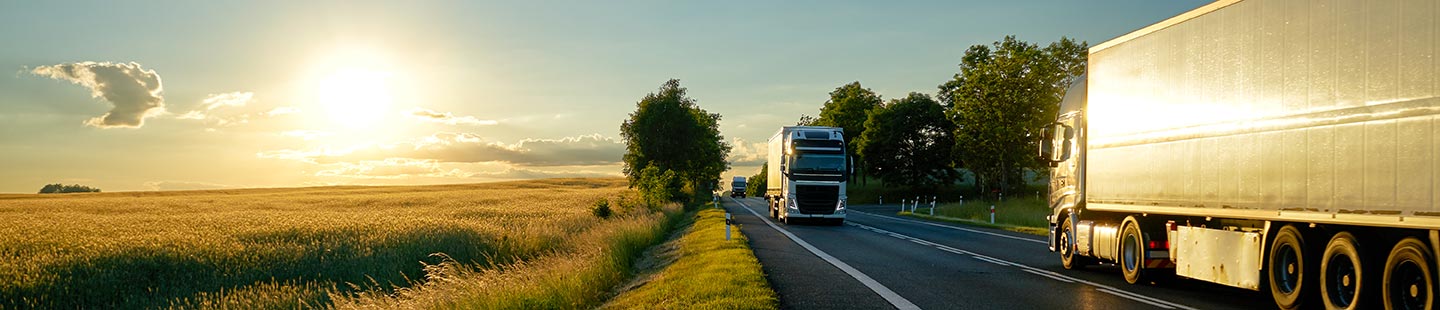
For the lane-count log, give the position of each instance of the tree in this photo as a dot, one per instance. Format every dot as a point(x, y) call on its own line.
point(909, 141)
point(58, 188)
point(805, 120)
point(1003, 95)
point(755, 186)
point(848, 108)
point(671, 134)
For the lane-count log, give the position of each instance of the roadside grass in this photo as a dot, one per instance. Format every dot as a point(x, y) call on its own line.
point(701, 270)
point(528, 244)
point(1025, 215)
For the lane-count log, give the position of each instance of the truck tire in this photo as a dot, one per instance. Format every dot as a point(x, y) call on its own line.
point(1409, 283)
point(1132, 252)
point(1342, 278)
point(1068, 258)
point(1289, 269)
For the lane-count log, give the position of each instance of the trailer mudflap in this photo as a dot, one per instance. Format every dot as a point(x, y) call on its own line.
point(1221, 256)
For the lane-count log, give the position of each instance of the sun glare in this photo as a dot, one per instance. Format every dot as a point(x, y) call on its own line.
point(356, 97)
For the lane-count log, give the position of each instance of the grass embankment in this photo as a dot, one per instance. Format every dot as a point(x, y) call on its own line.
point(701, 270)
point(1025, 215)
point(531, 244)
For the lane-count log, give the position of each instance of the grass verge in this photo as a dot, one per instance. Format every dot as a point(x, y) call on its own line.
point(700, 270)
point(1025, 215)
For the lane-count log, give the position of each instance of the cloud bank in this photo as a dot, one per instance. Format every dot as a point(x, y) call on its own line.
point(133, 92)
point(585, 150)
point(448, 118)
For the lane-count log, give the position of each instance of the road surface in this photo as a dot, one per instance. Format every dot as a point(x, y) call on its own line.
point(879, 261)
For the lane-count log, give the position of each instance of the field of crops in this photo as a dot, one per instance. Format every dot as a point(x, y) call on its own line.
point(505, 245)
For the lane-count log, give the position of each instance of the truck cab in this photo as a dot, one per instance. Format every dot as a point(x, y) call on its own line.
point(737, 187)
point(808, 169)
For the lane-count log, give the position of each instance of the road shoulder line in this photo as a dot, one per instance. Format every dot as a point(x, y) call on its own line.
point(951, 227)
point(884, 292)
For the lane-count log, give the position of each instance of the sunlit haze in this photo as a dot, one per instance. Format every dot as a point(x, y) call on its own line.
point(198, 95)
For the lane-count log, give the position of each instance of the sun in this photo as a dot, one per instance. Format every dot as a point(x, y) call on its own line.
point(356, 97)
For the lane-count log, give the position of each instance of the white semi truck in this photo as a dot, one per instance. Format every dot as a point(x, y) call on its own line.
point(807, 173)
point(1283, 146)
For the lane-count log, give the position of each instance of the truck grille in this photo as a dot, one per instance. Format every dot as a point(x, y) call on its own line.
point(817, 199)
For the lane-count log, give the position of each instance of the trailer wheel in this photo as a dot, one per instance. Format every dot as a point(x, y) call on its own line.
point(1408, 281)
point(1068, 257)
point(1288, 267)
point(1341, 277)
point(1132, 252)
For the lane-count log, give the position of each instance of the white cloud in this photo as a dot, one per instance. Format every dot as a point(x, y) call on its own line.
point(191, 115)
point(448, 118)
point(747, 153)
point(582, 150)
point(232, 99)
point(133, 92)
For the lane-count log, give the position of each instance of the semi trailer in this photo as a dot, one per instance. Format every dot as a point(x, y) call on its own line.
point(807, 169)
point(737, 187)
point(1283, 146)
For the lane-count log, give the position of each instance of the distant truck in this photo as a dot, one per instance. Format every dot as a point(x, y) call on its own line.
point(808, 168)
point(1265, 145)
point(737, 187)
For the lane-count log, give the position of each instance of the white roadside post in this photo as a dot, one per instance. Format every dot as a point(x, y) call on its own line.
point(932, 205)
point(992, 214)
point(882, 200)
point(727, 226)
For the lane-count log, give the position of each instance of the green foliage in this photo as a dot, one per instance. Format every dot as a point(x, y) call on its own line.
point(601, 209)
point(659, 187)
point(1002, 96)
point(806, 120)
point(669, 132)
point(755, 187)
point(910, 142)
point(849, 107)
point(58, 188)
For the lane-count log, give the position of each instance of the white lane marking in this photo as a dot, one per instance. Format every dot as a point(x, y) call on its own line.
point(885, 292)
point(1037, 271)
point(1120, 294)
point(1048, 276)
point(950, 227)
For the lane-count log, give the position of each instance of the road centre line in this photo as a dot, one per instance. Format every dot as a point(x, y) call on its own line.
point(1037, 271)
point(950, 227)
point(884, 292)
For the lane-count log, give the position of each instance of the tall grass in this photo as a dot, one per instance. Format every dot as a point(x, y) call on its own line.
point(317, 247)
point(1026, 212)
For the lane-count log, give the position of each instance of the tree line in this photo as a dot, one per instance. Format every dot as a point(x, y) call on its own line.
point(985, 119)
point(58, 188)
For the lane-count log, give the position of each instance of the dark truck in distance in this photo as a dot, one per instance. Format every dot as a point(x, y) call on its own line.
point(737, 187)
point(1284, 146)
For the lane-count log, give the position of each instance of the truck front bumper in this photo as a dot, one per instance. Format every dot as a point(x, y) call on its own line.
point(796, 214)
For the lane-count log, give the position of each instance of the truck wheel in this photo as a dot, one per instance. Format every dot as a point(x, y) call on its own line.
point(1068, 258)
point(1408, 281)
point(1341, 275)
point(1132, 252)
point(1289, 267)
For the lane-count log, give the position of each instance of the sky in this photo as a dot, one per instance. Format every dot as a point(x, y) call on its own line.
point(176, 95)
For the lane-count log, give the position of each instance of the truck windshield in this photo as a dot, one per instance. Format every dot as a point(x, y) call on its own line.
point(818, 163)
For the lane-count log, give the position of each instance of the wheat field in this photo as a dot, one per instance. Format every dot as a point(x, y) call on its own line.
point(521, 244)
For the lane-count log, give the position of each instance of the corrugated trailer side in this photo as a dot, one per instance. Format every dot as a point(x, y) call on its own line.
point(1267, 109)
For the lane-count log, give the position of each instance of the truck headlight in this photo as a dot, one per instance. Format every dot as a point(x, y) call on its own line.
point(790, 203)
point(840, 206)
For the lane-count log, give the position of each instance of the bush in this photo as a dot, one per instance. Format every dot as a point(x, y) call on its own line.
point(601, 209)
point(58, 188)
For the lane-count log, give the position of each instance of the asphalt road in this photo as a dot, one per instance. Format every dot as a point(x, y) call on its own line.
point(879, 261)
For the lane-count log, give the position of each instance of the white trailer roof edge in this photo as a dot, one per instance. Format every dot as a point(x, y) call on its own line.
point(1197, 12)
